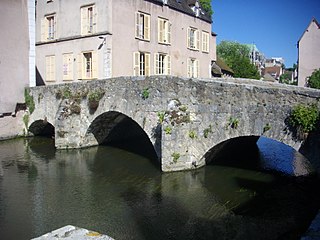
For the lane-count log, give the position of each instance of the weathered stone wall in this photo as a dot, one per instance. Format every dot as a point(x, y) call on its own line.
point(195, 115)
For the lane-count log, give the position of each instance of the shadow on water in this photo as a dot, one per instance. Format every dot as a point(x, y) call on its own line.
point(130, 137)
point(266, 181)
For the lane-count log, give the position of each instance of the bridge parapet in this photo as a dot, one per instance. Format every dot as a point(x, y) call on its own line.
point(183, 118)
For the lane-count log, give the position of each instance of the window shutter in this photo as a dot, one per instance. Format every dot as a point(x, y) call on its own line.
point(80, 65)
point(65, 67)
point(188, 37)
point(84, 21)
point(47, 68)
point(95, 18)
point(189, 67)
point(159, 30)
point(168, 64)
point(54, 27)
point(43, 30)
point(197, 39)
point(53, 68)
point(70, 66)
point(156, 63)
point(94, 65)
point(137, 25)
point(136, 63)
point(196, 68)
point(147, 27)
point(169, 32)
point(147, 64)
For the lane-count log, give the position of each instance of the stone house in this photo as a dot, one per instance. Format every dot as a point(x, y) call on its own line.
point(273, 67)
point(308, 52)
point(17, 48)
point(83, 40)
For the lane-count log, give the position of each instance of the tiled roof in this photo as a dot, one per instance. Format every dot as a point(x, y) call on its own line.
point(184, 6)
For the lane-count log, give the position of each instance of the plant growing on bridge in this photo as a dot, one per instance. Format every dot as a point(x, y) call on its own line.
point(207, 131)
point(26, 120)
point(192, 134)
point(168, 130)
point(145, 93)
point(175, 157)
point(183, 108)
point(29, 100)
point(304, 119)
point(93, 99)
point(233, 123)
point(266, 128)
point(64, 93)
point(161, 116)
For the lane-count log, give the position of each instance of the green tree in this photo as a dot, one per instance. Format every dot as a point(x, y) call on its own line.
point(236, 56)
point(314, 79)
point(206, 5)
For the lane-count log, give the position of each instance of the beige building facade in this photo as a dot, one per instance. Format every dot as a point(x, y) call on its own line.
point(17, 48)
point(308, 52)
point(83, 40)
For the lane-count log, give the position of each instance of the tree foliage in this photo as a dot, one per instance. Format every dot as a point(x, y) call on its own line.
point(236, 56)
point(314, 79)
point(206, 5)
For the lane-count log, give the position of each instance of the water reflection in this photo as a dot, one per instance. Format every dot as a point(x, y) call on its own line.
point(124, 195)
point(279, 157)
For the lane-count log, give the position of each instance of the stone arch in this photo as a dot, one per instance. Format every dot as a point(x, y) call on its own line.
point(42, 128)
point(259, 152)
point(114, 127)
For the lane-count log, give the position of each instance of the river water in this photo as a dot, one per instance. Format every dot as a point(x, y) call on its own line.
point(124, 195)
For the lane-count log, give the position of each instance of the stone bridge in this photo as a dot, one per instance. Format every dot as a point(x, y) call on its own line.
point(184, 119)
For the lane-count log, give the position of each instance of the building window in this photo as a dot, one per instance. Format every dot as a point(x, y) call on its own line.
point(193, 38)
point(142, 26)
point(48, 28)
point(193, 68)
point(205, 42)
point(67, 67)
point(162, 64)
point(141, 64)
point(88, 65)
point(50, 68)
point(88, 20)
point(164, 31)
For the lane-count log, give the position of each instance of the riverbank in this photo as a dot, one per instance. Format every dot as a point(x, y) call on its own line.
point(12, 126)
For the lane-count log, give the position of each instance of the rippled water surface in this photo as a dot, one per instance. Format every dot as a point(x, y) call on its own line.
point(124, 195)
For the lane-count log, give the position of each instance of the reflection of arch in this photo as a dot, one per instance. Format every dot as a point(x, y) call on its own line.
point(259, 153)
point(42, 128)
point(115, 128)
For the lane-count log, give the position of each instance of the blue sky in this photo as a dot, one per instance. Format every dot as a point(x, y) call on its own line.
point(275, 26)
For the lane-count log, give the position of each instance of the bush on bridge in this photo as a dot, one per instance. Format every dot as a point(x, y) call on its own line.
point(304, 119)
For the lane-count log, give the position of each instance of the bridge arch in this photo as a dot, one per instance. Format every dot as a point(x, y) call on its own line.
point(259, 153)
point(116, 128)
point(42, 127)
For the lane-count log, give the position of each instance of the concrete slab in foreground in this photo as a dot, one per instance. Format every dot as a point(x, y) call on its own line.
point(73, 233)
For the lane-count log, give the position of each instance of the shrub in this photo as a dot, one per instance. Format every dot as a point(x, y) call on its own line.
point(304, 118)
